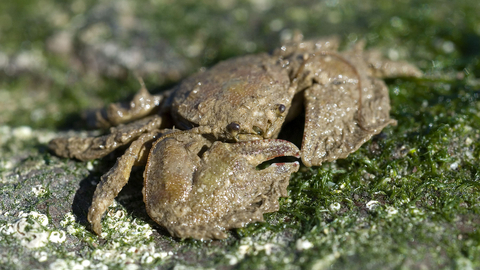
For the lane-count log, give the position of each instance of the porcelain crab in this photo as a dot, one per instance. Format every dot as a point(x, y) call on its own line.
point(202, 141)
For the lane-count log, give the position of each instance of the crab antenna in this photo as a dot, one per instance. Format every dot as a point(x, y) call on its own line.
point(140, 80)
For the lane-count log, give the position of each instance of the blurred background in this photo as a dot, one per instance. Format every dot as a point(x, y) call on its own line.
point(59, 57)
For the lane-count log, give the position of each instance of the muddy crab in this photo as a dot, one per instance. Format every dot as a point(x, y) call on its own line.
point(202, 141)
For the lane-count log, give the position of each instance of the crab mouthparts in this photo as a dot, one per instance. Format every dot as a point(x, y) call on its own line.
point(271, 152)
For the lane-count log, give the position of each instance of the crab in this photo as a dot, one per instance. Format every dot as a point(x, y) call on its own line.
point(202, 142)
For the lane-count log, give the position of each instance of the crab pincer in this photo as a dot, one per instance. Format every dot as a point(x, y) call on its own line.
point(216, 186)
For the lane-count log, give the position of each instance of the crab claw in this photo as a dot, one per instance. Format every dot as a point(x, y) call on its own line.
point(199, 189)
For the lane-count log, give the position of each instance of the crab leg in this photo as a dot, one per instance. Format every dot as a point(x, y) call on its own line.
point(348, 105)
point(198, 189)
point(333, 129)
point(115, 179)
point(380, 67)
point(141, 105)
point(98, 147)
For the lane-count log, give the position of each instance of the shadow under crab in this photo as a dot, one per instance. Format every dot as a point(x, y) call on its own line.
point(201, 178)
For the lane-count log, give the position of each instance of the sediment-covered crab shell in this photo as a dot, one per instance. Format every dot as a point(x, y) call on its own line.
point(236, 99)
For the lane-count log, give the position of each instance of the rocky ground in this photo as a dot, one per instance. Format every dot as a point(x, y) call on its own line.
point(408, 199)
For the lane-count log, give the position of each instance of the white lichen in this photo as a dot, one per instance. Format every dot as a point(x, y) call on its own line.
point(39, 190)
point(391, 211)
point(72, 228)
point(22, 132)
point(249, 246)
point(414, 211)
point(455, 165)
point(76, 264)
point(371, 205)
point(326, 261)
point(41, 256)
point(303, 244)
point(334, 207)
point(129, 241)
point(468, 141)
point(57, 237)
point(32, 230)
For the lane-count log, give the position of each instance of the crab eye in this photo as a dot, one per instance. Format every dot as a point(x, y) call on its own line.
point(281, 108)
point(258, 130)
point(233, 126)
